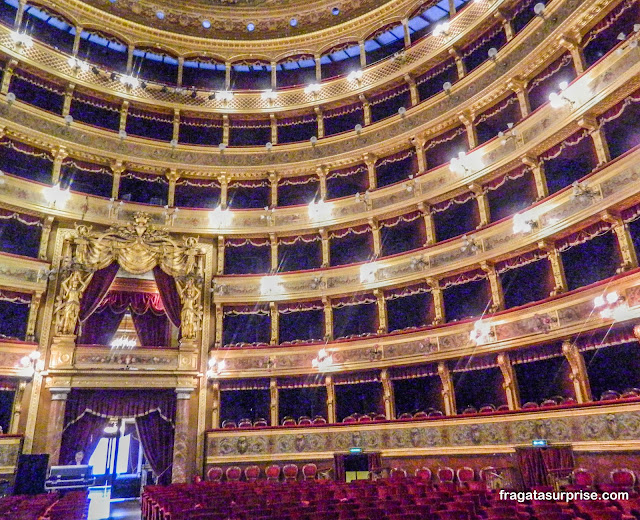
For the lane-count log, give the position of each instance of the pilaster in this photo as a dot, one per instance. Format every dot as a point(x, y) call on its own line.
point(326, 250)
point(273, 311)
point(557, 267)
point(220, 255)
point(383, 322)
point(510, 382)
point(497, 294)
point(578, 373)
point(448, 391)
point(55, 424)
point(274, 402)
point(483, 204)
point(47, 224)
point(370, 161)
point(539, 177)
point(388, 395)
point(438, 301)
point(328, 319)
point(181, 435)
point(331, 400)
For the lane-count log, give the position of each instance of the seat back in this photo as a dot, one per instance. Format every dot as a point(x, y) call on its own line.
point(251, 473)
point(215, 474)
point(290, 472)
point(424, 473)
point(273, 472)
point(309, 471)
point(398, 473)
point(582, 477)
point(233, 473)
point(446, 474)
point(623, 477)
point(466, 474)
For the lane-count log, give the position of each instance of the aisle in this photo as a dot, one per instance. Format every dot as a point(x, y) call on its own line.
point(102, 508)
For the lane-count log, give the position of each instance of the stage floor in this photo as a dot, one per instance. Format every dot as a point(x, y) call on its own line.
point(103, 508)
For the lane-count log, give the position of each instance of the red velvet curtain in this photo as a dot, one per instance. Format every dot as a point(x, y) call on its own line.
point(374, 461)
point(97, 289)
point(536, 463)
point(156, 436)
point(152, 329)
point(558, 458)
point(82, 435)
point(338, 465)
point(100, 327)
point(169, 295)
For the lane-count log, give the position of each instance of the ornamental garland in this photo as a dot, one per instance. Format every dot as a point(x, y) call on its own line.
point(570, 141)
point(356, 299)
point(347, 172)
point(241, 242)
point(475, 363)
point(299, 120)
point(244, 384)
point(95, 102)
point(290, 308)
point(249, 183)
point(447, 136)
point(357, 230)
point(396, 157)
point(309, 381)
point(390, 94)
point(616, 111)
point(198, 183)
point(414, 372)
point(204, 123)
point(486, 38)
point(27, 220)
point(159, 179)
point(150, 116)
point(245, 311)
point(506, 103)
point(521, 260)
point(250, 123)
point(521, 6)
point(631, 214)
point(608, 21)
point(584, 235)
point(357, 377)
point(393, 222)
point(403, 292)
point(459, 279)
point(298, 181)
point(606, 338)
point(498, 182)
point(70, 162)
point(39, 82)
point(537, 353)
point(307, 239)
point(446, 204)
point(341, 111)
point(25, 149)
point(437, 70)
point(15, 297)
point(560, 63)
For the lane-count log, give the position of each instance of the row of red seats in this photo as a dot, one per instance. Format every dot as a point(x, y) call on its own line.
point(71, 506)
point(253, 472)
point(409, 499)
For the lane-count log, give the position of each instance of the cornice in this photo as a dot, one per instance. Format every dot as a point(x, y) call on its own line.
point(543, 322)
point(20, 273)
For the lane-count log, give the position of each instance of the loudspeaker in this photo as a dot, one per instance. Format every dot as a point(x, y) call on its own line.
point(31, 474)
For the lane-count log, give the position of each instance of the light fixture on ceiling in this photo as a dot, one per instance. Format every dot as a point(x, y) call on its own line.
point(293, 22)
point(335, 11)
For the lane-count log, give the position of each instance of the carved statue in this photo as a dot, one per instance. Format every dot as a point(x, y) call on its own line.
point(68, 302)
point(191, 308)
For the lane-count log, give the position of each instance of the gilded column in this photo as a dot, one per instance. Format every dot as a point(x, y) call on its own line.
point(472, 135)
point(438, 301)
point(59, 155)
point(429, 223)
point(405, 31)
point(628, 254)
point(34, 307)
point(215, 404)
point(418, 143)
point(55, 424)
point(225, 129)
point(537, 168)
point(383, 322)
point(322, 177)
point(19, 14)
point(506, 24)
point(47, 224)
point(331, 400)
point(124, 110)
point(16, 410)
point(180, 70)
point(320, 120)
point(181, 436)
point(130, 50)
point(273, 185)
point(483, 204)
point(219, 324)
point(6, 77)
point(117, 169)
point(389, 398)
point(172, 176)
point(578, 373)
point(274, 79)
point(599, 140)
point(375, 233)
point(413, 90)
point(448, 391)
point(224, 190)
point(452, 8)
point(273, 311)
point(497, 295)
point(68, 96)
point(576, 53)
point(370, 161)
point(274, 128)
point(328, 319)
point(509, 383)
point(176, 125)
point(462, 70)
point(326, 250)
point(318, 68)
point(557, 267)
point(519, 87)
point(227, 75)
point(220, 266)
point(273, 243)
point(274, 405)
point(366, 109)
point(363, 55)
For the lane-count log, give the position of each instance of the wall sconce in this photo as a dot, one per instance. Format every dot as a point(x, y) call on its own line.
point(11, 98)
point(169, 213)
point(375, 354)
point(582, 192)
point(129, 81)
point(466, 164)
point(482, 333)
point(21, 40)
point(442, 29)
point(368, 273)
point(511, 133)
point(269, 95)
point(114, 207)
point(410, 185)
point(312, 88)
point(469, 244)
point(29, 365)
point(123, 342)
point(523, 224)
point(418, 264)
point(218, 288)
point(269, 215)
point(78, 65)
point(319, 210)
point(122, 134)
point(270, 285)
point(224, 95)
point(219, 218)
point(56, 196)
point(446, 86)
point(363, 197)
point(355, 75)
point(609, 305)
point(316, 283)
point(215, 368)
point(539, 8)
point(560, 100)
point(323, 361)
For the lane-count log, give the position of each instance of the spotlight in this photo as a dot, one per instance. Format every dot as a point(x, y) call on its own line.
point(113, 76)
point(164, 89)
point(194, 94)
point(95, 70)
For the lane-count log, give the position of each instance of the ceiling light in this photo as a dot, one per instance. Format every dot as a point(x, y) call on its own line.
point(206, 24)
point(251, 27)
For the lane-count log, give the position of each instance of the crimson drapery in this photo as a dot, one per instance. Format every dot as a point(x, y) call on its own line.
point(138, 302)
point(156, 436)
point(97, 289)
point(338, 465)
point(536, 464)
point(100, 327)
point(374, 461)
point(82, 435)
point(169, 295)
point(153, 329)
